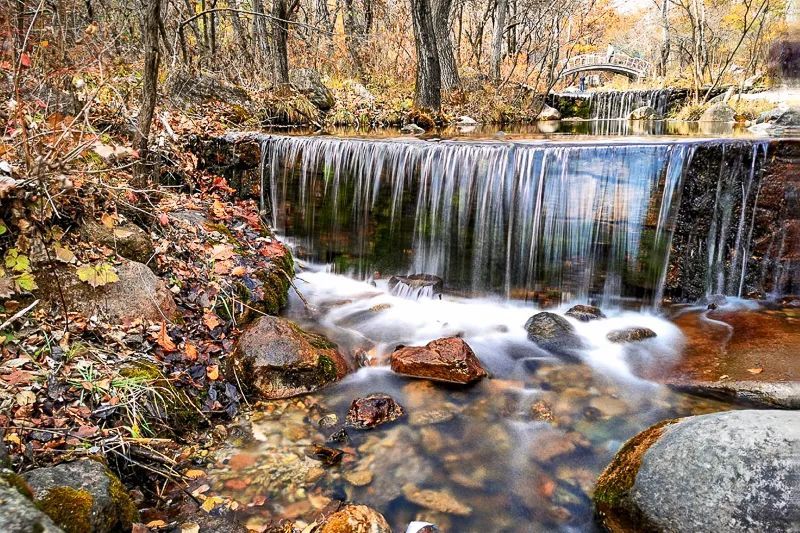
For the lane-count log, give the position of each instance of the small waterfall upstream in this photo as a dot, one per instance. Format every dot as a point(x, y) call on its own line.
point(547, 220)
point(609, 105)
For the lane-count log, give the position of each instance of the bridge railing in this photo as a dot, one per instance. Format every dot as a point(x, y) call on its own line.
point(641, 66)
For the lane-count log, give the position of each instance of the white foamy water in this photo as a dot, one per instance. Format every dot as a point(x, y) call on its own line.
point(493, 327)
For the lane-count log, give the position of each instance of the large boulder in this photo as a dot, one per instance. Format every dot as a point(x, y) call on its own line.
point(644, 113)
point(718, 113)
point(732, 471)
point(355, 519)
point(18, 513)
point(128, 240)
point(82, 496)
point(548, 113)
point(633, 334)
point(585, 313)
point(274, 358)
point(449, 359)
point(552, 332)
point(188, 89)
point(138, 294)
point(308, 82)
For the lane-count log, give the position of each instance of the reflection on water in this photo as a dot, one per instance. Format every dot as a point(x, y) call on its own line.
point(517, 452)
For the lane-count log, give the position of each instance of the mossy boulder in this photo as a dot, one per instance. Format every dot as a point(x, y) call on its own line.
point(275, 358)
point(82, 496)
point(127, 240)
point(552, 332)
point(138, 294)
point(732, 471)
point(18, 513)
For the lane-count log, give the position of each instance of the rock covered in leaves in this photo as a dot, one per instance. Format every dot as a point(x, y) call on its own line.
point(731, 471)
point(275, 358)
point(128, 240)
point(308, 82)
point(630, 335)
point(585, 313)
point(82, 496)
point(373, 410)
point(552, 332)
point(121, 293)
point(18, 513)
point(449, 359)
point(355, 519)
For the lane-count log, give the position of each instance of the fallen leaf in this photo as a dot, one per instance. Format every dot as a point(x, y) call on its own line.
point(755, 370)
point(194, 474)
point(164, 340)
point(213, 372)
point(25, 397)
point(64, 254)
point(191, 351)
point(211, 320)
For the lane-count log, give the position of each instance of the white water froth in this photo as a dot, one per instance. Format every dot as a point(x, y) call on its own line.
point(493, 327)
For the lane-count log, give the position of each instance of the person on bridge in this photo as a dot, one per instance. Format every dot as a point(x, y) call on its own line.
point(609, 53)
point(583, 84)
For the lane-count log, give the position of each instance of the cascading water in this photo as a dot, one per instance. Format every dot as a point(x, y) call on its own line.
point(607, 105)
point(527, 220)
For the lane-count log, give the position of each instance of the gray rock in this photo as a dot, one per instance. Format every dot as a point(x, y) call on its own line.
point(722, 472)
point(644, 113)
point(128, 240)
point(552, 332)
point(275, 358)
point(630, 335)
point(465, 120)
point(5, 459)
point(783, 394)
point(18, 514)
point(308, 82)
point(138, 294)
point(718, 113)
point(82, 495)
point(411, 129)
point(548, 113)
point(585, 313)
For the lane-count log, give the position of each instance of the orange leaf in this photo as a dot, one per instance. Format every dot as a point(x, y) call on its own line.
point(213, 372)
point(755, 370)
point(191, 351)
point(211, 320)
point(239, 271)
point(218, 209)
point(163, 339)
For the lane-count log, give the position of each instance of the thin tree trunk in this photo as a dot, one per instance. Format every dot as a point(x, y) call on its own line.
point(428, 91)
point(665, 41)
point(280, 34)
point(353, 36)
point(241, 35)
point(442, 16)
point(149, 87)
point(497, 39)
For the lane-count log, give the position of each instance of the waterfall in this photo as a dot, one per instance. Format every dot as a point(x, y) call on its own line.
point(549, 220)
point(606, 105)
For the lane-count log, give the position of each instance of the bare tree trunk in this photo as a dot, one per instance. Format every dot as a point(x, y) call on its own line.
point(354, 36)
point(442, 16)
point(280, 34)
point(497, 39)
point(241, 35)
point(665, 41)
point(149, 87)
point(428, 91)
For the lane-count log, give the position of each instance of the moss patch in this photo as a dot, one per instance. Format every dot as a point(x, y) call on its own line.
point(619, 477)
point(17, 482)
point(70, 508)
point(128, 514)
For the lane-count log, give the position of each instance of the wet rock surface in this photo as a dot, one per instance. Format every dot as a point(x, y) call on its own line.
point(138, 294)
point(552, 332)
point(275, 358)
point(18, 513)
point(82, 495)
point(734, 471)
point(630, 335)
point(585, 313)
point(449, 360)
point(373, 410)
point(415, 284)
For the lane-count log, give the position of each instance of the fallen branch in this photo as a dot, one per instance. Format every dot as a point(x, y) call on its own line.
point(18, 315)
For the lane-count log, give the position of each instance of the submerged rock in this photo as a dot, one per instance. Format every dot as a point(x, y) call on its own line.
point(644, 113)
point(373, 410)
point(275, 358)
point(732, 471)
point(138, 294)
point(548, 113)
point(83, 496)
point(435, 500)
point(308, 82)
point(630, 335)
point(18, 514)
point(449, 359)
point(355, 519)
point(780, 394)
point(585, 313)
point(416, 285)
point(718, 113)
point(552, 332)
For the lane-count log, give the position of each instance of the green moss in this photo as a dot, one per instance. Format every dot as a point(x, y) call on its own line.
point(70, 508)
point(17, 482)
point(327, 368)
point(128, 514)
point(142, 370)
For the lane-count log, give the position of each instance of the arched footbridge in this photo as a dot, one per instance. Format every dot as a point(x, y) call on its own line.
point(618, 63)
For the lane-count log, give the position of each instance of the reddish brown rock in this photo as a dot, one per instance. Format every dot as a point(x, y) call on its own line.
point(373, 410)
point(355, 519)
point(275, 358)
point(449, 359)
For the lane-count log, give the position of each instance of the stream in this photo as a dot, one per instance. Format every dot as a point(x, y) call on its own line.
point(512, 226)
